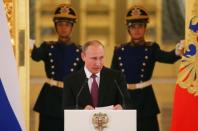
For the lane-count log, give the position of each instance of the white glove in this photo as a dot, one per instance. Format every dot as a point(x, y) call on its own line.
point(179, 48)
point(31, 43)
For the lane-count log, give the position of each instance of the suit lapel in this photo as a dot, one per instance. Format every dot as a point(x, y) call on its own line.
point(86, 96)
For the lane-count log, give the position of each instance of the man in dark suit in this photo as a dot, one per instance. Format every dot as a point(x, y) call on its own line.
point(94, 85)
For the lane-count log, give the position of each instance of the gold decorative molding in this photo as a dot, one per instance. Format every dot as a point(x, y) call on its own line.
point(9, 8)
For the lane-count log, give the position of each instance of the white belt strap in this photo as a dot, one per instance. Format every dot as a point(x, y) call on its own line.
point(54, 83)
point(139, 85)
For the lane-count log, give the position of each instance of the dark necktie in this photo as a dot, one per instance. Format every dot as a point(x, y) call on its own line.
point(94, 91)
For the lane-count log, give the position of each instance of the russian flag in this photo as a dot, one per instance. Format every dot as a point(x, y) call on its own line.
point(11, 114)
point(185, 107)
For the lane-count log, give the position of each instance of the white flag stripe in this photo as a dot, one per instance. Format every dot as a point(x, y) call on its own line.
point(8, 70)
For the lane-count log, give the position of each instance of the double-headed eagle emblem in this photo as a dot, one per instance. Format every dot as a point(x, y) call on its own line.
point(188, 71)
point(100, 121)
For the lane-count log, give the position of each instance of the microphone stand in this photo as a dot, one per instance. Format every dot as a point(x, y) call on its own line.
point(121, 93)
point(81, 89)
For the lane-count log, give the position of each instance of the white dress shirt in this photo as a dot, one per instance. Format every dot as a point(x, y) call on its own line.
point(90, 80)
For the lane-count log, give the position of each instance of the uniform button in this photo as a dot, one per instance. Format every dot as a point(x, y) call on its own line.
point(77, 59)
point(75, 64)
point(122, 70)
point(52, 46)
point(119, 58)
point(122, 48)
point(51, 60)
point(144, 64)
point(52, 66)
point(146, 49)
point(53, 73)
point(142, 76)
point(146, 57)
point(50, 54)
point(142, 70)
point(71, 69)
point(121, 64)
point(77, 50)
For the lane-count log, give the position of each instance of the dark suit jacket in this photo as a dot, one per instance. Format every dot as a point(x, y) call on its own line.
point(108, 91)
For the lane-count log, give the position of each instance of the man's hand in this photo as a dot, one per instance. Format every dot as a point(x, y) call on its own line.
point(88, 107)
point(118, 107)
point(179, 49)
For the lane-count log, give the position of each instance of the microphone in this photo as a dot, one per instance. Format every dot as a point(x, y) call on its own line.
point(121, 93)
point(79, 92)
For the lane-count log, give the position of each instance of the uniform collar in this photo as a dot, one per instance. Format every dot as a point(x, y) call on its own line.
point(65, 40)
point(137, 43)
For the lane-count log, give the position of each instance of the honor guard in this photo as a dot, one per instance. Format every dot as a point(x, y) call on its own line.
point(60, 58)
point(136, 59)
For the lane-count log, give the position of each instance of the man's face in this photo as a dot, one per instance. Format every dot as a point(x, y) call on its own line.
point(137, 31)
point(93, 58)
point(64, 29)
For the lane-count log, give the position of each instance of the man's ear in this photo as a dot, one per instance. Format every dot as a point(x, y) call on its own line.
point(83, 56)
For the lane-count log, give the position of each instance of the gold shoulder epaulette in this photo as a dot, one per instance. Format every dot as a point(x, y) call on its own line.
point(117, 46)
point(76, 44)
point(50, 42)
point(149, 43)
point(120, 45)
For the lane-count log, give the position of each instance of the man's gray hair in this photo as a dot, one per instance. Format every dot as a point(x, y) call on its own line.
point(91, 42)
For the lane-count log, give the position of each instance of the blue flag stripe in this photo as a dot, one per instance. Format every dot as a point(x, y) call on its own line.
point(8, 119)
